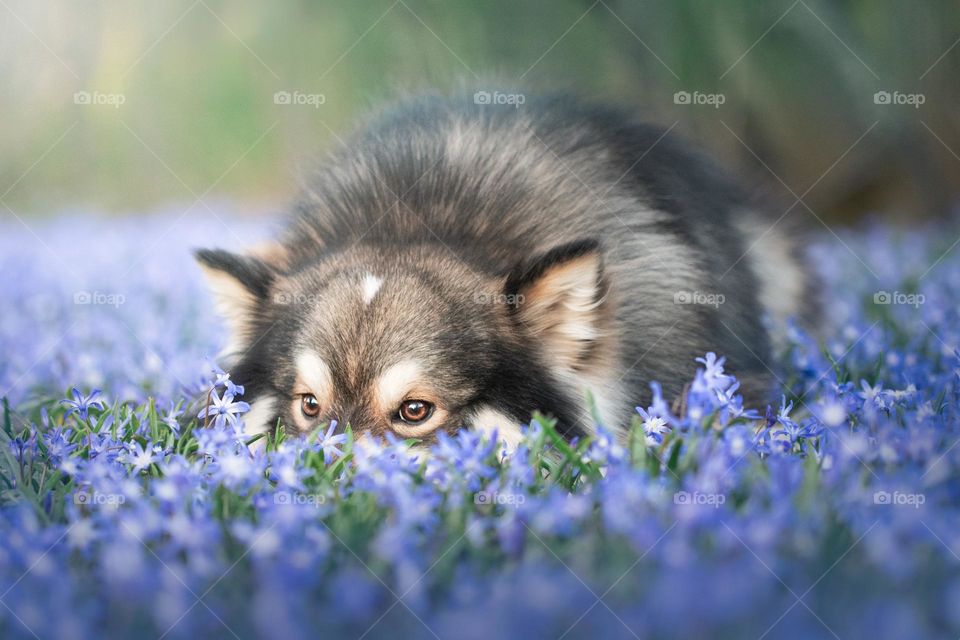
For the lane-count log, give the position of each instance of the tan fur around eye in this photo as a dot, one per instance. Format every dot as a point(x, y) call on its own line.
point(404, 381)
point(394, 384)
point(420, 430)
point(313, 377)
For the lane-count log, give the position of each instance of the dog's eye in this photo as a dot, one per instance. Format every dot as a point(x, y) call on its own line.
point(309, 405)
point(415, 411)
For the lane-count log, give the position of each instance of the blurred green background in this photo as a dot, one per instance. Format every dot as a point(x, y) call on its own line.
point(180, 95)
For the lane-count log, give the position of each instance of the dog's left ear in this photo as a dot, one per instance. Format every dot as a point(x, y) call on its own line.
point(240, 285)
point(557, 300)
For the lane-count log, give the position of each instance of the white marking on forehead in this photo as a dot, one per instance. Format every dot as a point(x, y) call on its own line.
point(371, 284)
point(313, 372)
point(397, 381)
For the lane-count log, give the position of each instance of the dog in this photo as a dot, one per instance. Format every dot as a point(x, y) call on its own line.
point(462, 264)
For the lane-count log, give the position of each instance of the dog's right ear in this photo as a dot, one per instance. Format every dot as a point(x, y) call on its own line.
point(240, 285)
point(557, 299)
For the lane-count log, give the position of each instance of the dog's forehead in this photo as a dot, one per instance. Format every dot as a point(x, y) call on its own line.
point(371, 302)
point(368, 318)
point(364, 311)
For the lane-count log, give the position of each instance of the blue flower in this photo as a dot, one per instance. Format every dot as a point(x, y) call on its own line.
point(58, 444)
point(874, 395)
point(657, 419)
point(24, 446)
point(833, 412)
point(604, 448)
point(140, 457)
point(170, 418)
point(287, 468)
point(654, 426)
point(238, 470)
point(713, 377)
point(329, 442)
point(82, 404)
point(224, 410)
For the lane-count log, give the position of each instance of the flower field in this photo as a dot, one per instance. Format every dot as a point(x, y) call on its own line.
point(130, 506)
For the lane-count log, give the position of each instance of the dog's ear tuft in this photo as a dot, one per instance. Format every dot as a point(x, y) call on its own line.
point(557, 300)
point(247, 272)
point(240, 285)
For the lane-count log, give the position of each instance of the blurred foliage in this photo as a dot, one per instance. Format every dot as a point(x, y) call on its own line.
point(198, 79)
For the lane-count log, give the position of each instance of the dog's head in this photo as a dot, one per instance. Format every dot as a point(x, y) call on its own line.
point(410, 340)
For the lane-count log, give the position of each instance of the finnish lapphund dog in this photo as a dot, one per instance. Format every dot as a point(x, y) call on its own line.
point(461, 265)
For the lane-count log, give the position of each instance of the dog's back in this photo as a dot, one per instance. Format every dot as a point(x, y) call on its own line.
point(691, 267)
